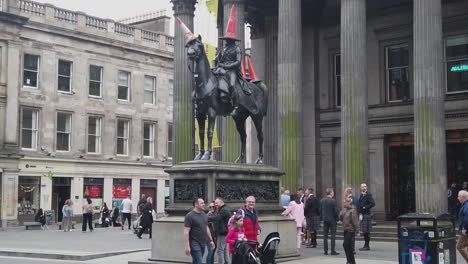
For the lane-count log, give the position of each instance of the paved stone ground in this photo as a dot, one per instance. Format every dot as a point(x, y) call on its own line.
point(112, 241)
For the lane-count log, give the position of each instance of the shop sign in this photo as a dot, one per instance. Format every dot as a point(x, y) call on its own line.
point(120, 191)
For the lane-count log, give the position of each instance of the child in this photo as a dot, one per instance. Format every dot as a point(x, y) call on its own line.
point(348, 216)
point(236, 233)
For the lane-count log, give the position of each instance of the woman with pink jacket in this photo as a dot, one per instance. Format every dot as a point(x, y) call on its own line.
point(295, 210)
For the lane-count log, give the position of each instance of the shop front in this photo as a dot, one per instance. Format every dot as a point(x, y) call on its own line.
point(93, 189)
point(29, 193)
point(149, 189)
point(121, 189)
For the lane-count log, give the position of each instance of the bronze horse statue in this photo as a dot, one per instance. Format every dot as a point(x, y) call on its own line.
point(206, 97)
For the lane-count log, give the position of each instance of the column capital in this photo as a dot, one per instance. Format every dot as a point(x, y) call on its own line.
point(184, 7)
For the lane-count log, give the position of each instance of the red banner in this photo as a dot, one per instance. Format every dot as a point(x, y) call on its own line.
point(94, 191)
point(120, 191)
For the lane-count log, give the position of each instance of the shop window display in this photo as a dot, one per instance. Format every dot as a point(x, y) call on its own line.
point(93, 189)
point(28, 195)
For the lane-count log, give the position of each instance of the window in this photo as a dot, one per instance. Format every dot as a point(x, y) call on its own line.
point(122, 136)
point(456, 55)
point(29, 196)
point(94, 134)
point(63, 131)
point(123, 92)
point(397, 61)
point(148, 139)
point(95, 80)
point(64, 76)
point(29, 124)
point(169, 140)
point(337, 79)
point(31, 71)
point(150, 85)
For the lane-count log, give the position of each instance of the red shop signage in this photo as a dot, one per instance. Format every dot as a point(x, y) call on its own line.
point(120, 191)
point(94, 191)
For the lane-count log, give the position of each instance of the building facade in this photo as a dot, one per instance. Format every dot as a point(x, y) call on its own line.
point(364, 91)
point(85, 109)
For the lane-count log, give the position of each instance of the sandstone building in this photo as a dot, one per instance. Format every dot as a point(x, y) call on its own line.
point(85, 109)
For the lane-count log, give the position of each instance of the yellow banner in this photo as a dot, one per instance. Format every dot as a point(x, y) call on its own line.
point(210, 52)
point(212, 6)
point(215, 135)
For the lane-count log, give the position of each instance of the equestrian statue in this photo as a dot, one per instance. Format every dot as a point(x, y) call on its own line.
point(224, 90)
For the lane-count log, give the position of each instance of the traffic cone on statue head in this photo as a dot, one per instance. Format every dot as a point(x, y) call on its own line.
point(189, 36)
point(231, 26)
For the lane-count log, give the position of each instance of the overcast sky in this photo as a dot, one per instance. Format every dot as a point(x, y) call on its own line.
point(114, 9)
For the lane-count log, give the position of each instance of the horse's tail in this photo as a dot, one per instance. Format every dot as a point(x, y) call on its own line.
point(264, 89)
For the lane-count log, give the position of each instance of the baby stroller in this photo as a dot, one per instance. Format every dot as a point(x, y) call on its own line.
point(267, 250)
point(249, 252)
point(136, 225)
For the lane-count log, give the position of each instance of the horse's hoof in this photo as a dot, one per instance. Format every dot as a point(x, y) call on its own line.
point(198, 156)
point(206, 156)
point(240, 160)
point(259, 161)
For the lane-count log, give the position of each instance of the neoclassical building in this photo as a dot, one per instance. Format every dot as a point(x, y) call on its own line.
point(85, 109)
point(360, 91)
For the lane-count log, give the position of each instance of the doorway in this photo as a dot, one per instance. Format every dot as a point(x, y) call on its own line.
point(148, 188)
point(402, 181)
point(61, 189)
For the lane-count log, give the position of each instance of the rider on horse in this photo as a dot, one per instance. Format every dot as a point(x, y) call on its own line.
point(228, 63)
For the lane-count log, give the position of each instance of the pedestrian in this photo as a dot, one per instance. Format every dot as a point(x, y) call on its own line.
point(452, 199)
point(67, 219)
point(146, 221)
point(312, 215)
point(41, 218)
point(348, 216)
point(285, 199)
point(115, 216)
point(127, 208)
point(88, 211)
point(221, 230)
point(295, 210)
point(355, 204)
point(366, 202)
point(462, 244)
point(211, 216)
point(237, 233)
point(196, 231)
point(300, 193)
point(105, 215)
point(251, 225)
point(329, 216)
point(141, 203)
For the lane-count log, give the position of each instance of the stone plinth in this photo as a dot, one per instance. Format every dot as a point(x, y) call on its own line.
point(232, 182)
point(167, 244)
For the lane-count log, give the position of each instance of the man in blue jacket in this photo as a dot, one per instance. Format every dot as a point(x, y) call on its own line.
point(462, 244)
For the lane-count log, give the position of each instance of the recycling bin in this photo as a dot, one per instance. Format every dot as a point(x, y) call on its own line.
point(426, 238)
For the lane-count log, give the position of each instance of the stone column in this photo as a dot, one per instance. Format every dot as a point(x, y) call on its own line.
point(270, 128)
point(183, 119)
point(290, 91)
point(354, 127)
point(429, 119)
point(9, 196)
point(231, 140)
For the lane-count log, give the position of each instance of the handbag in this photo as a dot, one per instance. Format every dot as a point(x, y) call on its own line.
point(155, 216)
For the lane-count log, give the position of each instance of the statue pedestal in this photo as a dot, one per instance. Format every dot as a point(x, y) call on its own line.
point(233, 182)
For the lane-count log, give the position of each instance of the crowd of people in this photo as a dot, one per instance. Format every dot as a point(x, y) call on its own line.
point(117, 216)
point(310, 214)
point(219, 230)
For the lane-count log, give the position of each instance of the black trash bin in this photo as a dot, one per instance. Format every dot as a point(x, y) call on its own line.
point(426, 238)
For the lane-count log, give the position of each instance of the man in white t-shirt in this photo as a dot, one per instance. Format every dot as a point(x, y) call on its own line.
point(127, 207)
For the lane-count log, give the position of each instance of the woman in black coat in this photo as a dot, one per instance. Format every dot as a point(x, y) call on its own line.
point(146, 218)
point(105, 215)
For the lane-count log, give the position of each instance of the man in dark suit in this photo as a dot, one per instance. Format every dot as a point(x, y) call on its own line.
point(366, 202)
point(312, 215)
point(329, 215)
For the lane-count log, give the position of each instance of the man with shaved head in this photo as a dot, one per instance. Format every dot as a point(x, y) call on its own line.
point(462, 244)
